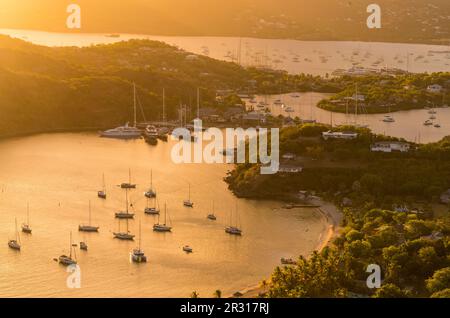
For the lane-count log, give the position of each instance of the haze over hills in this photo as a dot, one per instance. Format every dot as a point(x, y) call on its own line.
point(411, 21)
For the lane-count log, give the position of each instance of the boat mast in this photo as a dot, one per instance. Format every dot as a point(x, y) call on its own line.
point(126, 200)
point(17, 232)
point(134, 103)
point(164, 106)
point(198, 103)
point(70, 245)
point(28, 214)
point(104, 186)
point(89, 212)
point(140, 235)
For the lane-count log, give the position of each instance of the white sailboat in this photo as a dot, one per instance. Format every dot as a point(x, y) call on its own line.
point(212, 216)
point(126, 236)
point(88, 227)
point(151, 210)
point(26, 228)
point(150, 193)
point(162, 227)
point(125, 214)
point(126, 131)
point(68, 260)
point(102, 193)
point(128, 185)
point(233, 229)
point(188, 203)
point(15, 244)
point(138, 255)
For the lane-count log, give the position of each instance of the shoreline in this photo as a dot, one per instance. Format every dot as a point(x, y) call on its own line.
point(333, 217)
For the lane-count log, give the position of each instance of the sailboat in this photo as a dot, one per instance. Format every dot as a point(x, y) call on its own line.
point(68, 260)
point(26, 228)
point(125, 132)
point(212, 216)
point(231, 229)
point(158, 227)
point(137, 255)
point(128, 185)
point(151, 210)
point(188, 203)
point(102, 193)
point(83, 246)
point(88, 227)
point(127, 236)
point(15, 244)
point(150, 192)
point(125, 214)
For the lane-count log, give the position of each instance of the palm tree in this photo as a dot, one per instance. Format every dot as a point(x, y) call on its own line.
point(194, 294)
point(264, 285)
point(218, 293)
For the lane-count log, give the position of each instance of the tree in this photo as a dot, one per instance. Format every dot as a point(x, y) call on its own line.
point(389, 291)
point(439, 281)
point(194, 294)
point(218, 293)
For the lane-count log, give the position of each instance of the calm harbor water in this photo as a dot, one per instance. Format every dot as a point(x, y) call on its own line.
point(311, 57)
point(59, 173)
point(408, 124)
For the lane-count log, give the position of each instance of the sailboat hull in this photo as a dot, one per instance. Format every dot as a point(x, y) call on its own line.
point(122, 215)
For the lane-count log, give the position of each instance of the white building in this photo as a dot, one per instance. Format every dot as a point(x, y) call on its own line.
point(290, 169)
point(435, 88)
point(390, 146)
point(289, 156)
point(339, 135)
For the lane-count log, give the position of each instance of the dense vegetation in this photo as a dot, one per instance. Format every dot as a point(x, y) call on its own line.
point(348, 169)
point(387, 93)
point(415, 21)
point(387, 201)
point(412, 251)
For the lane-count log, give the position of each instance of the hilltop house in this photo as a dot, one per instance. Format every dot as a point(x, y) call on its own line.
point(435, 88)
point(339, 135)
point(390, 146)
point(445, 197)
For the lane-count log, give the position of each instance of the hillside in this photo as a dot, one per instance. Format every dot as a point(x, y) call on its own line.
point(418, 21)
point(71, 88)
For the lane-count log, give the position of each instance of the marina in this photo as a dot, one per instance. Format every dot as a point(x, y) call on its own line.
point(71, 164)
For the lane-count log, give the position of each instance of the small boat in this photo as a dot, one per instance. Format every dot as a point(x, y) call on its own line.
point(83, 246)
point(432, 111)
point(88, 227)
point(295, 95)
point(15, 244)
point(26, 228)
point(125, 214)
point(138, 255)
point(233, 229)
point(277, 102)
point(150, 193)
point(151, 140)
point(212, 216)
point(288, 109)
point(187, 249)
point(162, 227)
point(428, 123)
point(68, 260)
point(437, 125)
point(128, 185)
point(388, 119)
point(151, 210)
point(102, 193)
point(188, 203)
point(125, 236)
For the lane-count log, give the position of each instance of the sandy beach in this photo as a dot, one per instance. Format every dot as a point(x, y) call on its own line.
point(333, 217)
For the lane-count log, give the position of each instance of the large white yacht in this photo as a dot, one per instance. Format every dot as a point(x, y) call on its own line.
point(127, 131)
